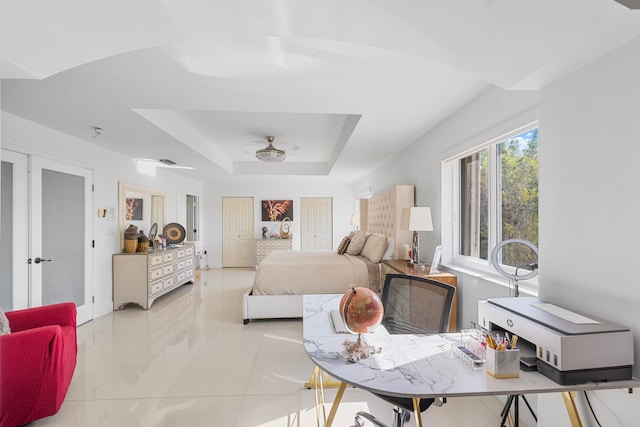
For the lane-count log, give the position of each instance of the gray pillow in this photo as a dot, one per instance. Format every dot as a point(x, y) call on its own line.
point(357, 243)
point(374, 247)
point(4, 323)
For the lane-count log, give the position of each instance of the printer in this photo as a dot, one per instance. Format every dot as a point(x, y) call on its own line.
point(569, 348)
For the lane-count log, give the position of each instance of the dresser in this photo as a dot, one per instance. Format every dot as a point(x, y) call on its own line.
point(399, 266)
point(264, 246)
point(142, 277)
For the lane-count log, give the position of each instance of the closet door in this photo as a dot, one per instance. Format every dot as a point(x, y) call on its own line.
point(237, 232)
point(316, 223)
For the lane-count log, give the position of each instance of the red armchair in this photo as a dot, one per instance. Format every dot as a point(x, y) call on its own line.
point(37, 360)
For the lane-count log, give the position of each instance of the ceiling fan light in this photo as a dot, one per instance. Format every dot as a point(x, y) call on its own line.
point(270, 154)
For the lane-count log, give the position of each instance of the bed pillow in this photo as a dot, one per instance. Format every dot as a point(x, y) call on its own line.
point(357, 243)
point(342, 247)
point(374, 247)
point(4, 323)
point(391, 249)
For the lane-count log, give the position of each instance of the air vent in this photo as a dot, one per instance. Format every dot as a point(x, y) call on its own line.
point(167, 162)
point(631, 4)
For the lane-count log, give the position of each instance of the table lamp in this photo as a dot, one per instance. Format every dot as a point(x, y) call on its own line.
point(355, 221)
point(416, 219)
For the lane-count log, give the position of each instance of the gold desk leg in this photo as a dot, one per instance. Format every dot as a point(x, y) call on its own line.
point(336, 403)
point(326, 381)
point(416, 411)
point(570, 403)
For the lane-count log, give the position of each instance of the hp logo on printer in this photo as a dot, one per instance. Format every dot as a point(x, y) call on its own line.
point(510, 323)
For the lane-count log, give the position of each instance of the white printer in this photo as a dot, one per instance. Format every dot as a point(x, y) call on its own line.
point(570, 348)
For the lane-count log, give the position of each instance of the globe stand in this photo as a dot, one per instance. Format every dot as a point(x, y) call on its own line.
point(359, 349)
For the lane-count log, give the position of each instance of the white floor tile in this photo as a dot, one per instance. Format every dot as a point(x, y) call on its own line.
point(190, 361)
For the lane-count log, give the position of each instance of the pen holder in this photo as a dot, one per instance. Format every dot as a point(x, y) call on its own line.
point(503, 363)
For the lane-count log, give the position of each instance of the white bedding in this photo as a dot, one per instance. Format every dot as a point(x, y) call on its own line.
point(311, 272)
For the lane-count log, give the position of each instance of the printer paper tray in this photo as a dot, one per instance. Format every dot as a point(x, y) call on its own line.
point(618, 373)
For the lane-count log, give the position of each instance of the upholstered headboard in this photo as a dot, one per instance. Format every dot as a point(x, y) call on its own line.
point(383, 214)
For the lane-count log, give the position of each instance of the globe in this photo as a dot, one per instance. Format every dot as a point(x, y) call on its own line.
point(361, 310)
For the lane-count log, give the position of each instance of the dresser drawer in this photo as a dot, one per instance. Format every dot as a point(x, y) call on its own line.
point(168, 269)
point(181, 276)
point(180, 265)
point(156, 259)
point(155, 274)
point(189, 262)
point(180, 253)
point(168, 282)
point(167, 257)
point(189, 251)
point(154, 288)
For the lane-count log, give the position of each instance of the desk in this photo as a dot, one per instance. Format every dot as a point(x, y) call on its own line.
point(427, 360)
point(401, 266)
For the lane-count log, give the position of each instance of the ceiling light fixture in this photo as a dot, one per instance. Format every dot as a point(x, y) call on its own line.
point(270, 153)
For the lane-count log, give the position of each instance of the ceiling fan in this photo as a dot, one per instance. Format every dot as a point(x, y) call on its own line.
point(270, 153)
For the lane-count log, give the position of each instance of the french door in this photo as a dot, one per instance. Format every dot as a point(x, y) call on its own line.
point(59, 236)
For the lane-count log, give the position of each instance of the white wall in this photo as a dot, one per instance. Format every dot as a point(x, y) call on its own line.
point(108, 168)
point(288, 189)
point(589, 177)
point(589, 126)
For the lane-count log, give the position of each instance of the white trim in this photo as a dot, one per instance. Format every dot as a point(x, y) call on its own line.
point(450, 182)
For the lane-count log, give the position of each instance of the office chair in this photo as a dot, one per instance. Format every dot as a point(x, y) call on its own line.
point(412, 305)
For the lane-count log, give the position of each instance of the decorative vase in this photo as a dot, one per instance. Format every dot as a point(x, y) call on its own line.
point(143, 242)
point(131, 239)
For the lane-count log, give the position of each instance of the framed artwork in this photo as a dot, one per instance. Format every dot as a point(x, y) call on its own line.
point(133, 209)
point(435, 263)
point(277, 210)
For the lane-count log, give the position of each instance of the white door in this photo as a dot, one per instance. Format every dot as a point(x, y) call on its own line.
point(237, 232)
point(60, 235)
point(14, 250)
point(316, 223)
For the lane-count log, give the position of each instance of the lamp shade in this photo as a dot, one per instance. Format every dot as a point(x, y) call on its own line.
point(416, 219)
point(355, 219)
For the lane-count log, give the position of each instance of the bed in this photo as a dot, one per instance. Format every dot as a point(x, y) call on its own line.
point(283, 277)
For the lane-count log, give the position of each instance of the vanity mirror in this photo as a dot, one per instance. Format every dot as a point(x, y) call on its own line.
point(140, 206)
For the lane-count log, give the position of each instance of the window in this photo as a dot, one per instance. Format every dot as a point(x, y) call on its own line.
point(496, 192)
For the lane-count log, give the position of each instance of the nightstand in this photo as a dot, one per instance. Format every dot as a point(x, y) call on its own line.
point(402, 267)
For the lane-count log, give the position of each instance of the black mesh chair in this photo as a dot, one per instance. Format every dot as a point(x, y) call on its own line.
point(412, 305)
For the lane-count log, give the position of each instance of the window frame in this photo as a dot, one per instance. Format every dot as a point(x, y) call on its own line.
point(451, 214)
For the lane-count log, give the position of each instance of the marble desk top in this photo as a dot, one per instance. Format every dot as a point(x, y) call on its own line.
point(414, 365)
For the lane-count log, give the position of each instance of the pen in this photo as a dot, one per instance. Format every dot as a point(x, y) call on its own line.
point(490, 342)
point(514, 341)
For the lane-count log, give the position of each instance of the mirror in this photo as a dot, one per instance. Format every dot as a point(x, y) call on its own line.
point(140, 206)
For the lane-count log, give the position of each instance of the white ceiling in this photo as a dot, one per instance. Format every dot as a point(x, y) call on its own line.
point(342, 85)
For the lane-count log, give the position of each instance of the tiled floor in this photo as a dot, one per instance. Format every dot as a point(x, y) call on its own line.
point(190, 361)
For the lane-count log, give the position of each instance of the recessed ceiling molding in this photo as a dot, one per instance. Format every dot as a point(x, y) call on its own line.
point(171, 122)
point(350, 123)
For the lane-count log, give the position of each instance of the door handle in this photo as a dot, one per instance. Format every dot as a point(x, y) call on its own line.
point(38, 260)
